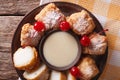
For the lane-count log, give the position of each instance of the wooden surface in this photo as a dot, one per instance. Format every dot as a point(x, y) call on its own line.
point(11, 13)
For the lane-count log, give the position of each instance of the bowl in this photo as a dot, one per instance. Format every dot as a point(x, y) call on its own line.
point(67, 34)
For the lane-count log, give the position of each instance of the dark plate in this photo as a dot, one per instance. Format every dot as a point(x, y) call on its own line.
point(67, 9)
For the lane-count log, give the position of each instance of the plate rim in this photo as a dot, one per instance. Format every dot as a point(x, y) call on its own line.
point(42, 6)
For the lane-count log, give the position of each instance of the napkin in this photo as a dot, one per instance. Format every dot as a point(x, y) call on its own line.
point(108, 13)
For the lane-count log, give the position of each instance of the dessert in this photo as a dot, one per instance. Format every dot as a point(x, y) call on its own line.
point(98, 44)
point(25, 58)
point(88, 68)
point(70, 76)
point(56, 39)
point(29, 36)
point(51, 16)
point(56, 75)
point(41, 73)
point(81, 22)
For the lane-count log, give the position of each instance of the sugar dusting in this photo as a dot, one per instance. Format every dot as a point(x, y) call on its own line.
point(52, 18)
point(81, 24)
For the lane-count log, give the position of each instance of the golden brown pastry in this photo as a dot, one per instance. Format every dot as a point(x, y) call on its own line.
point(25, 58)
point(81, 22)
point(98, 44)
point(88, 68)
point(41, 73)
point(35, 66)
point(29, 36)
point(50, 15)
point(70, 76)
point(56, 75)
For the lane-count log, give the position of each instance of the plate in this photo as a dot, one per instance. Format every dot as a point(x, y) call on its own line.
point(67, 9)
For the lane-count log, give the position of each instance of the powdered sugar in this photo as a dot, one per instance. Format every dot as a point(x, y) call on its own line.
point(52, 18)
point(81, 24)
point(88, 70)
point(32, 37)
point(32, 33)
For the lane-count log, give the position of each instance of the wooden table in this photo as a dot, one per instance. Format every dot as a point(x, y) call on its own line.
point(11, 13)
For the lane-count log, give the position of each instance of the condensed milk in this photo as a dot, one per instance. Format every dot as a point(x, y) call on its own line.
point(60, 49)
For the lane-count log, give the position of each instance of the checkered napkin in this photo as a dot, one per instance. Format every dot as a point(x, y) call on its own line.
point(108, 13)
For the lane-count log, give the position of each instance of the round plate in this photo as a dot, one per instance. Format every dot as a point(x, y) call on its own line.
point(67, 9)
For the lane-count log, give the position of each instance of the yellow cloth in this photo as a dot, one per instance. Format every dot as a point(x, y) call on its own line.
point(108, 13)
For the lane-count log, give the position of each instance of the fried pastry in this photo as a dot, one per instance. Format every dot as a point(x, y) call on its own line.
point(25, 58)
point(41, 73)
point(98, 44)
point(51, 16)
point(29, 36)
point(88, 68)
point(81, 22)
point(56, 75)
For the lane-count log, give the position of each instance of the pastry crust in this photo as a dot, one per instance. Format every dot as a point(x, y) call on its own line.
point(28, 63)
point(70, 76)
point(41, 73)
point(51, 16)
point(81, 23)
point(34, 67)
point(98, 44)
point(56, 75)
point(29, 36)
point(88, 68)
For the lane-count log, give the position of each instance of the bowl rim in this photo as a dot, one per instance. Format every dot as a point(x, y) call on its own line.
point(41, 53)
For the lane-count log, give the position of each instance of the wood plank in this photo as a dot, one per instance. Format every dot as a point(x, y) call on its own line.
point(17, 7)
point(8, 25)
